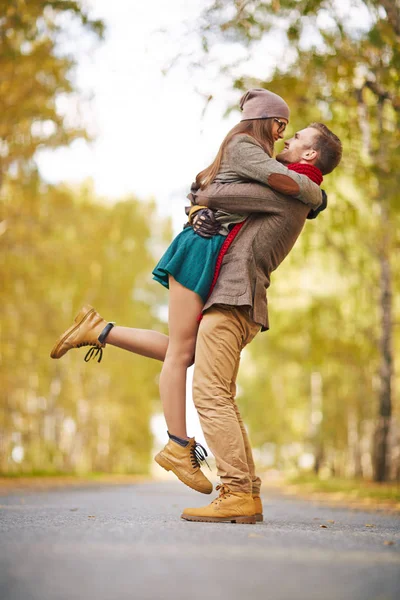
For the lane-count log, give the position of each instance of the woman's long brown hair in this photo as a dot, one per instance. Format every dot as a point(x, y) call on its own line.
point(259, 129)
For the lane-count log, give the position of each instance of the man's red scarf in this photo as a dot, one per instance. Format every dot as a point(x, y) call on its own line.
point(304, 169)
point(312, 172)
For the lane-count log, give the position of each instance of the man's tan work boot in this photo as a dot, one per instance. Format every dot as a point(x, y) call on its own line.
point(85, 331)
point(229, 507)
point(259, 509)
point(184, 461)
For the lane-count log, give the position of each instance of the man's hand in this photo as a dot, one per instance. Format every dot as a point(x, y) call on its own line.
point(313, 214)
point(205, 224)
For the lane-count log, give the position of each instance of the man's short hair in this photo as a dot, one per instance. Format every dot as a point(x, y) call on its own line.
point(329, 148)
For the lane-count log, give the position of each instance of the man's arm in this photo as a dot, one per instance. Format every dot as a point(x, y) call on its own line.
point(241, 198)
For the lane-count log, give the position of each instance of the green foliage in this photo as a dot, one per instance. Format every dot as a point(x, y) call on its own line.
point(347, 490)
point(37, 70)
point(61, 249)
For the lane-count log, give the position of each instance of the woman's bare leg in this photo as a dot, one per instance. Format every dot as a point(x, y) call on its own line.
point(184, 308)
point(145, 342)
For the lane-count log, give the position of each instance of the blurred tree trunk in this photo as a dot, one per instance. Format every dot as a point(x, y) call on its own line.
point(316, 420)
point(354, 444)
point(381, 446)
point(381, 449)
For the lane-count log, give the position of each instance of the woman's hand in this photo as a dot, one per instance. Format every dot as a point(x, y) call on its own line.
point(205, 224)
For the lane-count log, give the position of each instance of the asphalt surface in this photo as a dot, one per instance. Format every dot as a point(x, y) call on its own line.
point(128, 542)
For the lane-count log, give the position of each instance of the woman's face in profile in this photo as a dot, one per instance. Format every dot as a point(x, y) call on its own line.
point(278, 128)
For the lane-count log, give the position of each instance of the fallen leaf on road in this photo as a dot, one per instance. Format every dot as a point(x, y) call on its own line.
point(369, 525)
point(388, 543)
point(330, 521)
point(91, 517)
point(73, 509)
point(255, 535)
point(324, 526)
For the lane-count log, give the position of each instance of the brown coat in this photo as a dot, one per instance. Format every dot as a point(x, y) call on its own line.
point(262, 244)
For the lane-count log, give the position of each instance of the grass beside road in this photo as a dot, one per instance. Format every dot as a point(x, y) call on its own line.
point(353, 492)
point(13, 483)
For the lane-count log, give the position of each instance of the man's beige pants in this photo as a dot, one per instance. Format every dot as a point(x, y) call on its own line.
point(223, 333)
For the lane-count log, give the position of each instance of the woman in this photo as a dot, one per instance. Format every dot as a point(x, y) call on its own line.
point(187, 269)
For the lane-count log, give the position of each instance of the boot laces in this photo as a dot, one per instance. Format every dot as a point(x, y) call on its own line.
point(224, 492)
point(198, 454)
point(93, 352)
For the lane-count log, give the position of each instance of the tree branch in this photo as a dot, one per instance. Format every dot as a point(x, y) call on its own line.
point(383, 94)
point(392, 9)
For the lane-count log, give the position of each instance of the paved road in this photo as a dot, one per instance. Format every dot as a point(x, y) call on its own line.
point(127, 542)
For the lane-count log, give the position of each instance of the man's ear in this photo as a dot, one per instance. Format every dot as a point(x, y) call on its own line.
point(309, 155)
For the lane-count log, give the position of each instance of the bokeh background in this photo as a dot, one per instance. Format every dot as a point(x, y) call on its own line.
point(107, 112)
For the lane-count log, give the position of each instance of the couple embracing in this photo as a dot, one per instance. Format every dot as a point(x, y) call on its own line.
point(247, 210)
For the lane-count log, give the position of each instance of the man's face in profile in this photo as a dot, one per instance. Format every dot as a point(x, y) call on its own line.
point(297, 146)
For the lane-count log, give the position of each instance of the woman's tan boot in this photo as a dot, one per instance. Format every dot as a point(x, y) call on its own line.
point(229, 507)
point(184, 461)
point(85, 331)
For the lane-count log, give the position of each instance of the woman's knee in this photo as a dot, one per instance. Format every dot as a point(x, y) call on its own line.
point(180, 355)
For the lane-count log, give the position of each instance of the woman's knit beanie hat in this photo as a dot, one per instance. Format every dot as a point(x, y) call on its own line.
point(262, 104)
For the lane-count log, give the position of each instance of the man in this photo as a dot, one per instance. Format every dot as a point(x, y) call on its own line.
point(237, 309)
